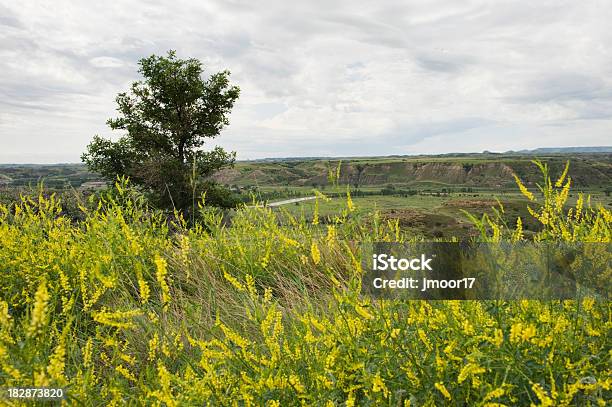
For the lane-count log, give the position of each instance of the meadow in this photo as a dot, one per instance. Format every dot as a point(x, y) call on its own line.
point(126, 305)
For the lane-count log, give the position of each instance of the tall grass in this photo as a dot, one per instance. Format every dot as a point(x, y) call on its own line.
point(124, 307)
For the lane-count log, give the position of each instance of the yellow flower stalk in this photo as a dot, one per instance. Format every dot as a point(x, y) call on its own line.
point(267, 295)
point(332, 235)
point(143, 287)
point(363, 312)
point(40, 378)
point(87, 352)
point(6, 323)
point(587, 304)
point(250, 284)
point(523, 189)
point(498, 338)
point(470, 369)
point(545, 400)
point(233, 281)
point(315, 254)
point(442, 389)
point(294, 381)
point(234, 336)
point(423, 337)
point(350, 400)
point(517, 235)
point(493, 394)
point(317, 324)
point(127, 358)
point(125, 373)
point(378, 385)
point(38, 320)
point(349, 201)
point(153, 346)
point(520, 332)
point(117, 319)
point(563, 175)
point(161, 274)
point(57, 361)
point(164, 376)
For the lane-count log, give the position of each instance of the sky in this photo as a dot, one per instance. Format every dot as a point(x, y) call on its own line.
point(318, 78)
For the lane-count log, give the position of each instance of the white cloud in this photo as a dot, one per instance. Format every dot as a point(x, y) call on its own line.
point(106, 62)
point(318, 78)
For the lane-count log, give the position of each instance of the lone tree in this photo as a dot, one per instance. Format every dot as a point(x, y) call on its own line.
point(167, 118)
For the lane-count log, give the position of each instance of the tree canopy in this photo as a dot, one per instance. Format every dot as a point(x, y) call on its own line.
point(167, 117)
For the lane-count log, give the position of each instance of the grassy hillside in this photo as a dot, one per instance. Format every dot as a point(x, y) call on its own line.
point(590, 171)
point(479, 170)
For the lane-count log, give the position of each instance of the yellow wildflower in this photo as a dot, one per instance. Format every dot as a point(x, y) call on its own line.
point(587, 304)
point(349, 201)
point(39, 313)
point(362, 312)
point(469, 369)
point(117, 319)
point(518, 232)
point(523, 189)
point(442, 389)
point(315, 253)
point(350, 400)
point(520, 332)
point(545, 400)
point(296, 384)
point(125, 373)
point(57, 360)
point(563, 175)
point(494, 394)
point(87, 352)
point(143, 287)
point(250, 284)
point(160, 274)
point(233, 281)
point(378, 385)
point(153, 346)
point(424, 339)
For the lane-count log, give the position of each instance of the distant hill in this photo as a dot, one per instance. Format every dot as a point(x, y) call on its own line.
point(591, 167)
point(542, 150)
point(487, 170)
point(564, 150)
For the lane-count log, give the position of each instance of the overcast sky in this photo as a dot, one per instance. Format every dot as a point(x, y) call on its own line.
point(318, 78)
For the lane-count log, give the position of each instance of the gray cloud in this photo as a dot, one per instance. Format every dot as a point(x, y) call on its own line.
point(7, 18)
point(318, 78)
point(564, 87)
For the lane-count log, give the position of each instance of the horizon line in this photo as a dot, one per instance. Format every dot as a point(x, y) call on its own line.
point(336, 157)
